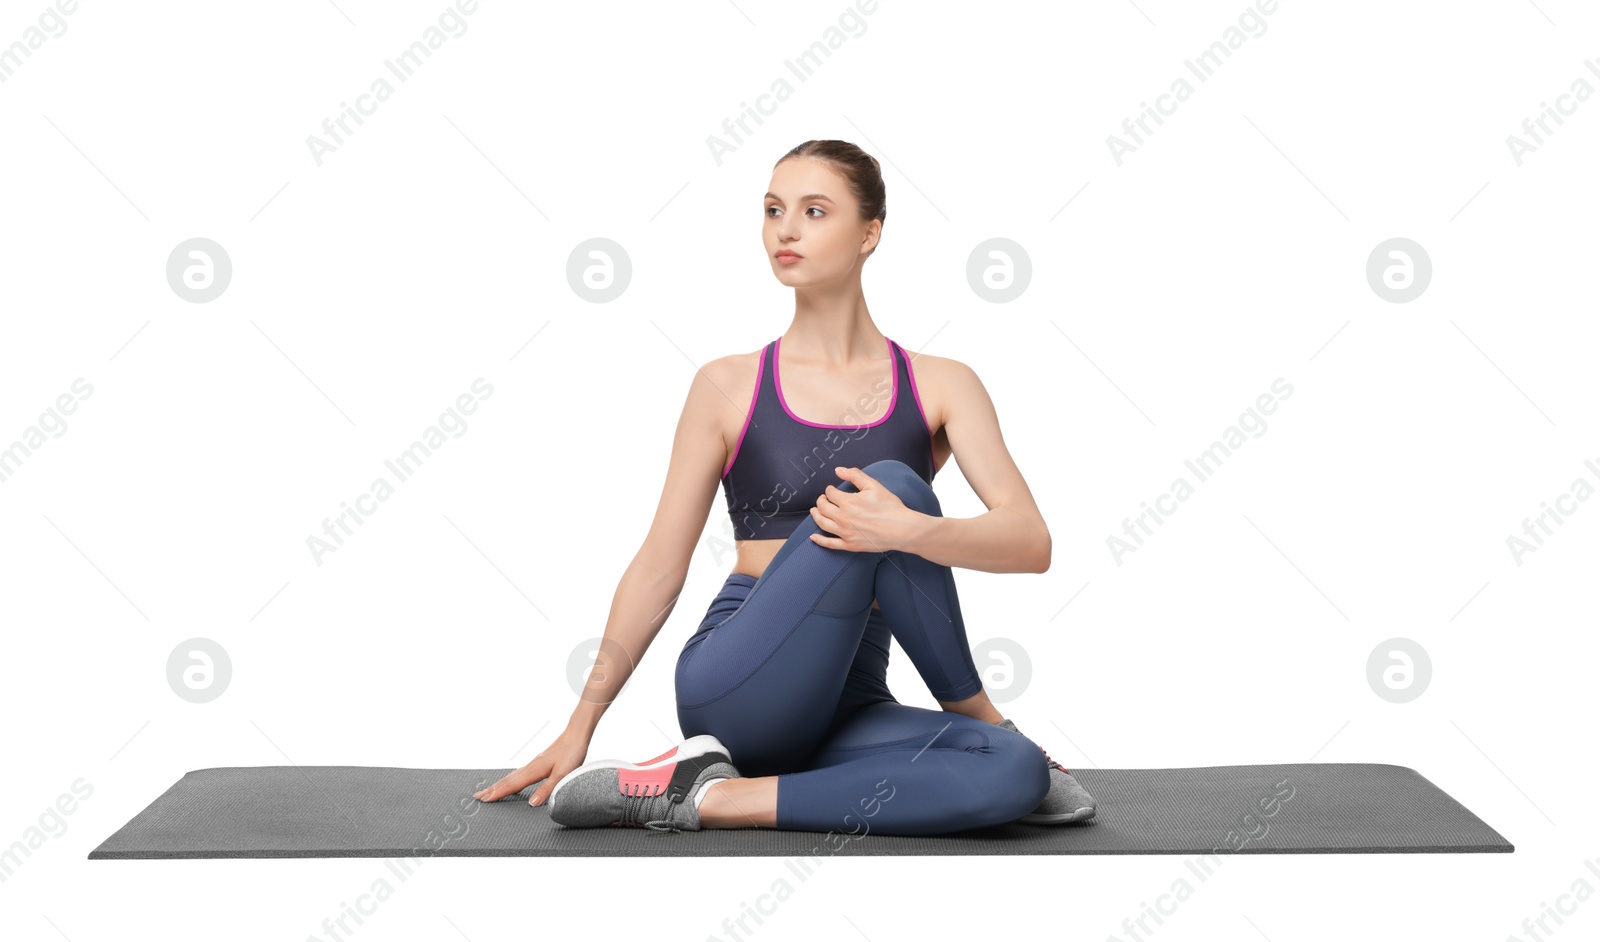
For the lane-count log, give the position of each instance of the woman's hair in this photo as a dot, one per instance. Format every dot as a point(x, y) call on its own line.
point(859, 169)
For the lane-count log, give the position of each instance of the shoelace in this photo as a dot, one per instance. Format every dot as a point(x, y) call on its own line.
point(637, 807)
point(1051, 763)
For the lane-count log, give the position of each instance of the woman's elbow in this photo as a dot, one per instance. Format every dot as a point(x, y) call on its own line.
point(1042, 556)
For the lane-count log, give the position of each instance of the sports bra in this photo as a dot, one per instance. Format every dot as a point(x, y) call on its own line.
point(782, 463)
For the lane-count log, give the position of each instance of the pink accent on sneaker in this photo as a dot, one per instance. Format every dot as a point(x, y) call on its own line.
point(645, 781)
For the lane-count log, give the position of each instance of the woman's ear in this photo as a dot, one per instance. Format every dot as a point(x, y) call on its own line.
point(874, 233)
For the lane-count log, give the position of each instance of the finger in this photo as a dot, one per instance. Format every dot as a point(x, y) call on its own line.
point(512, 782)
point(824, 521)
point(542, 793)
point(496, 791)
point(484, 793)
point(831, 542)
point(861, 479)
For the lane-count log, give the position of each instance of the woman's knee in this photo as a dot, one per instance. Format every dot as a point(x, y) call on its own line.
point(1022, 772)
point(1011, 780)
point(905, 484)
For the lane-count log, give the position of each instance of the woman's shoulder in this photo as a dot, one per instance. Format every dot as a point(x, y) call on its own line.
point(729, 380)
point(734, 369)
point(940, 370)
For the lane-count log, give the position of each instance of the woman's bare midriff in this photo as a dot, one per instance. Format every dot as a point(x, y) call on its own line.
point(755, 555)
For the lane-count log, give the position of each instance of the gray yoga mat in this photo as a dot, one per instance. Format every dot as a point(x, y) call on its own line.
point(356, 811)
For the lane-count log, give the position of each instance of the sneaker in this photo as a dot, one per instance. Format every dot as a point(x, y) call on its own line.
point(1066, 801)
point(657, 793)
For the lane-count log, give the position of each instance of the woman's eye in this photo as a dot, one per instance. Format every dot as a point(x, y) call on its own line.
point(772, 210)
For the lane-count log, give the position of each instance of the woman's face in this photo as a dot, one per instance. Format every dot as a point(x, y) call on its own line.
point(809, 211)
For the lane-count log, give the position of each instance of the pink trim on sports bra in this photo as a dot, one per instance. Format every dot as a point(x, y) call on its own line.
point(913, 374)
point(893, 395)
point(761, 362)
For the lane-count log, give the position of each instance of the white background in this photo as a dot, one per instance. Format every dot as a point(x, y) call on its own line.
point(1168, 293)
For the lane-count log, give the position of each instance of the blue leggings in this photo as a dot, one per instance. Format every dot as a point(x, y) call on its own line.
point(788, 671)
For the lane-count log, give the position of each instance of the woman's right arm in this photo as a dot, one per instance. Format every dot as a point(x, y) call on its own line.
point(650, 586)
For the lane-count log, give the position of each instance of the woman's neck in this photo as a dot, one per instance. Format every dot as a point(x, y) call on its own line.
point(837, 330)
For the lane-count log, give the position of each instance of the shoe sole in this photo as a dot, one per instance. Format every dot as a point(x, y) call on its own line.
point(693, 748)
point(1082, 814)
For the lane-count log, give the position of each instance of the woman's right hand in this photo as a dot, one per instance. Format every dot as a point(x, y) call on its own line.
point(552, 765)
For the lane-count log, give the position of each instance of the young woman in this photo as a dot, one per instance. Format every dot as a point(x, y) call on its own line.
point(840, 545)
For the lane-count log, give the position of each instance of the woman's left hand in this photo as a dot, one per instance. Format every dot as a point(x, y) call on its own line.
point(873, 519)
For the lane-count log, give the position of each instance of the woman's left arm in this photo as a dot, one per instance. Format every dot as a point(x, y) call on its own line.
point(1012, 536)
